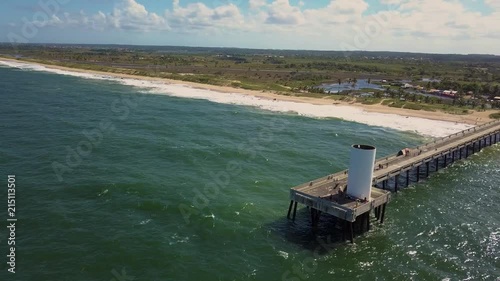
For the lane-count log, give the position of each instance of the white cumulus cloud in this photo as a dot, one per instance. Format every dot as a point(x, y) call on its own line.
point(416, 25)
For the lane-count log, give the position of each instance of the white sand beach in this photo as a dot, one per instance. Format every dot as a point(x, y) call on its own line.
point(434, 124)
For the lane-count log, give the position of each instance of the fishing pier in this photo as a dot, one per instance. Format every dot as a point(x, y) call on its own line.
point(333, 194)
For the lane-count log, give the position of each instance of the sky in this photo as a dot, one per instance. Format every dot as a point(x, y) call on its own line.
point(429, 26)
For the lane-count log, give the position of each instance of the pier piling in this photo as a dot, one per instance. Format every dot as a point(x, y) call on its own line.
point(407, 178)
point(418, 173)
point(382, 216)
point(294, 210)
point(289, 209)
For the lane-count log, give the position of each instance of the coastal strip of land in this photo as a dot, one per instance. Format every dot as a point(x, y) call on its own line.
point(435, 124)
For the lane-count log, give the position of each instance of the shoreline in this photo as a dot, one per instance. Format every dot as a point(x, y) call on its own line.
point(421, 122)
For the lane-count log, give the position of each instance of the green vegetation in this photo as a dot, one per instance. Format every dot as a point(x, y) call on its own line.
point(413, 106)
point(290, 72)
point(369, 100)
point(495, 115)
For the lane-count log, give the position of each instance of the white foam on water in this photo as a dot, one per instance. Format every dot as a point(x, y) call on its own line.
point(38, 67)
point(418, 125)
point(283, 254)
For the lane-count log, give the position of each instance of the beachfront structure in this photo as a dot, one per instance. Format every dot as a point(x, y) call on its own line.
point(449, 93)
point(361, 172)
point(328, 195)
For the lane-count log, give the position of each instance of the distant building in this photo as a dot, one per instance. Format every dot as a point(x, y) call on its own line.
point(449, 93)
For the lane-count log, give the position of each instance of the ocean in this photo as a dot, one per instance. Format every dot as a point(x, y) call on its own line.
point(121, 181)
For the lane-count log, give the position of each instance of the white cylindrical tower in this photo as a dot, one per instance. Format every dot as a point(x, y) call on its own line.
point(359, 179)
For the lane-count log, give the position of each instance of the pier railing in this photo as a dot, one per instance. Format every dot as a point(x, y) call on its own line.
point(461, 133)
point(341, 176)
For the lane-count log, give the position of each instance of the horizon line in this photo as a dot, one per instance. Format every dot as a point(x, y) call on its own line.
point(247, 48)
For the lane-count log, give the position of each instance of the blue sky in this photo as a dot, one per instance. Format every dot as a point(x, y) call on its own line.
point(438, 26)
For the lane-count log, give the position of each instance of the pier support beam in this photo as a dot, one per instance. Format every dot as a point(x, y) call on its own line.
point(427, 164)
point(351, 232)
point(445, 160)
point(294, 210)
point(383, 213)
point(384, 184)
point(368, 220)
point(396, 180)
point(315, 215)
point(418, 173)
point(437, 163)
point(289, 209)
point(459, 153)
point(407, 178)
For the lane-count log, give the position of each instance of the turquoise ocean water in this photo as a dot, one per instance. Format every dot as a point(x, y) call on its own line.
point(115, 183)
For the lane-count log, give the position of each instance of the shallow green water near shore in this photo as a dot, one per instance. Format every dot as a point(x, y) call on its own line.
point(112, 180)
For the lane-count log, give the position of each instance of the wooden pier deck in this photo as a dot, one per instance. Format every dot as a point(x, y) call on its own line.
point(325, 195)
